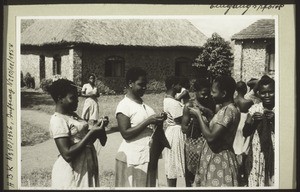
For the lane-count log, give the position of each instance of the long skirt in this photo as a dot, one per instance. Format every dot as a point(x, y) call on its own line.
point(216, 169)
point(132, 176)
point(80, 173)
point(90, 109)
point(174, 157)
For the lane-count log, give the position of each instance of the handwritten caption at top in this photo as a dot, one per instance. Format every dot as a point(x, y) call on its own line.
point(247, 7)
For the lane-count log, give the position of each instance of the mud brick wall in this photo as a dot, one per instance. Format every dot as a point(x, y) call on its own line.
point(249, 59)
point(159, 63)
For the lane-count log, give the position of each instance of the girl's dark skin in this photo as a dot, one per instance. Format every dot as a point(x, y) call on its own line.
point(135, 91)
point(217, 130)
point(92, 83)
point(267, 94)
point(202, 97)
point(66, 106)
point(172, 92)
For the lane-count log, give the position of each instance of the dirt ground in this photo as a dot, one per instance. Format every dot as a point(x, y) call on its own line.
point(43, 155)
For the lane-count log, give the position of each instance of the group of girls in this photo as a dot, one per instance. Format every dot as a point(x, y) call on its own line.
point(197, 138)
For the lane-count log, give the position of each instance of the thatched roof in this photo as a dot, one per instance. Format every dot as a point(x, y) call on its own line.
point(114, 32)
point(261, 29)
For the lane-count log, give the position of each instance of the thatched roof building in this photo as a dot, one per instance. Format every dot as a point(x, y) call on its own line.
point(114, 32)
point(74, 48)
point(261, 29)
point(255, 50)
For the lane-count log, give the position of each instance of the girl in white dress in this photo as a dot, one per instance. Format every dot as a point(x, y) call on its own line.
point(90, 110)
point(77, 164)
point(174, 157)
point(136, 121)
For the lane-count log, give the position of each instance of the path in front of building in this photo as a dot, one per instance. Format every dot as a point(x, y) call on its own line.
point(43, 155)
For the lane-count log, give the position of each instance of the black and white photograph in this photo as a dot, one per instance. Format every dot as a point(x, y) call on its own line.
point(138, 102)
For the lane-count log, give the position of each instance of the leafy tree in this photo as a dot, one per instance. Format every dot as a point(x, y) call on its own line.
point(216, 57)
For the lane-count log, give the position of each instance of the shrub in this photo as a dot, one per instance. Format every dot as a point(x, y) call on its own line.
point(155, 86)
point(29, 81)
point(216, 57)
point(22, 80)
point(45, 83)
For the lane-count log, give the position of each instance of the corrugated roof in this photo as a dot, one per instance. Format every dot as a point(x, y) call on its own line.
point(114, 32)
point(261, 29)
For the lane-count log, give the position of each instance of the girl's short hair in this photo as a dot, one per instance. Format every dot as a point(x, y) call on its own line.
point(93, 75)
point(185, 82)
point(201, 83)
point(134, 73)
point(60, 88)
point(265, 80)
point(226, 83)
point(171, 80)
point(241, 87)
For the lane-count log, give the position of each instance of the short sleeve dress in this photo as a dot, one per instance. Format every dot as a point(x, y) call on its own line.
point(90, 108)
point(219, 168)
point(133, 155)
point(82, 172)
point(174, 157)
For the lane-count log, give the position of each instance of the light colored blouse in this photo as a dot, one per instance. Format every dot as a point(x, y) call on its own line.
point(68, 126)
point(88, 89)
point(135, 151)
point(174, 109)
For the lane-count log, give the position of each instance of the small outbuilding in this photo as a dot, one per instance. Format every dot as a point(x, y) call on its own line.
point(254, 50)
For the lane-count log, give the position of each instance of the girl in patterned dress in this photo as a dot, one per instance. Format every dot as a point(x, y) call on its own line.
point(218, 164)
point(190, 127)
point(174, 157)
point(77, 164)
point(260, 127)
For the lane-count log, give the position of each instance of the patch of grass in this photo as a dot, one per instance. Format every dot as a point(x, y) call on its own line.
point(107, 178)
point(37, 178)
point(32, 134)
point(107, 103)
point(42, 178)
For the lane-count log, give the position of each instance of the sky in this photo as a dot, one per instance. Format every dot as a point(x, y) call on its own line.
point(224, 25)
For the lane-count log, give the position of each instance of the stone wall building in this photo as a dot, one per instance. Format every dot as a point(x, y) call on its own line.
point(254, 50)
point(108, 48)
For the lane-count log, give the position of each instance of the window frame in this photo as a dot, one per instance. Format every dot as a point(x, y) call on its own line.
point(56, 65)
point(114, 62)
point(179, 63)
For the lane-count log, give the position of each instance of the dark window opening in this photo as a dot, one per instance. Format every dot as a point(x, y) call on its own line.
point(42, 67)
point(183, 67)
point(114, 67)
point(270, 57)
point(57, 65)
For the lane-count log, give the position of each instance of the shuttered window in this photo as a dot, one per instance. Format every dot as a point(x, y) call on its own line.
point(270, 57)
point(114, 66)
point(183, 67)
